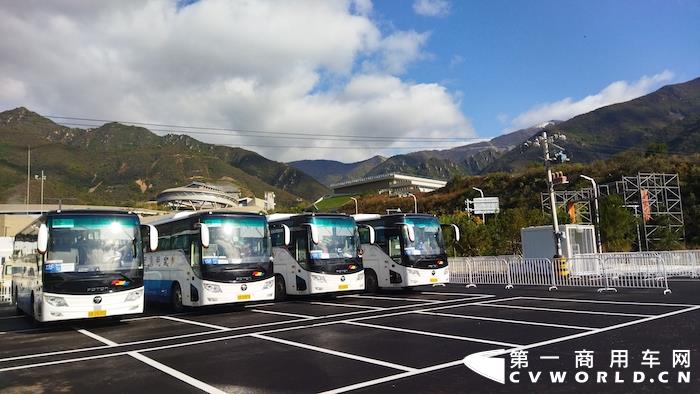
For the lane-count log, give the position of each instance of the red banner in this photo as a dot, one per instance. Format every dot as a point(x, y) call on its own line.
point(646, 209)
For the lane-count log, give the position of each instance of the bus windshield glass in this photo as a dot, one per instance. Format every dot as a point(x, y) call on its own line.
point(235, 240)
point(428, 238)
point(93, 243)
point(337, 238)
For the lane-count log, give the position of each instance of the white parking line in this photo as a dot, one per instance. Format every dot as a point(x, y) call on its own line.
point(176, 374)
point(196, 323)
point(536, 308)
point(455, 294)
point(155, 364)
point(392, 378)
point(431, 334)
point(97, 337)
point(386, 298)
point(283, 313)
point(609, 302)
point(530, 323)
point(335, 353)
point(376, 308)
point(531, 346)
point(196, 334)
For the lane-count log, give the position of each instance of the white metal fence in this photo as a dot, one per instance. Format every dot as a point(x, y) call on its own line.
point(5, 292)
point(607, 272)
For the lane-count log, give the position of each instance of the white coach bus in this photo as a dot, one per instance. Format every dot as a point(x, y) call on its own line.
point(80, 264)
point(403, 250)
point(209, 258)
point(315, 253)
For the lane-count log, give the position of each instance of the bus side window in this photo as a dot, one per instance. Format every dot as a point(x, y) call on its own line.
point(394, 246)
point(364, 234)
point(300, 242)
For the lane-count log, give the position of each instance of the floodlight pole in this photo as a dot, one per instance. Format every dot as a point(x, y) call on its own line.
point(552, 198)
point(483, 216)
point(597, 212)
point(41, 178)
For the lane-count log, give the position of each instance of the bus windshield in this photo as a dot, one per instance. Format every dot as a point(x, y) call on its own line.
point(93, 243)
point(235, 240)
point(337, 238)
point(428, 238)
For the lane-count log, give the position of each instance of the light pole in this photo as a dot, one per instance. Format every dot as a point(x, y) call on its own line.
point(356, 206)
point(41, 178)
point(597, 212)
point(483, 216)
point(415, 201)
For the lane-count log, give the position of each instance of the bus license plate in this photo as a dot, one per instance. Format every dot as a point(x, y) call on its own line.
point(433, 280)
point(98, 313)
point(242, 297)
point(343, 286)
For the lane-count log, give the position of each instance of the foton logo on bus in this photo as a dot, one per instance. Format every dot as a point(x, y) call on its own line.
point(97, 299)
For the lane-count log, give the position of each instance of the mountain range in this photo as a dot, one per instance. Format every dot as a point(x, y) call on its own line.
point(116, 164)
point(669, 116)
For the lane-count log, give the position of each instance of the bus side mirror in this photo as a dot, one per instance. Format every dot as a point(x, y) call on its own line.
point(287, 235)
point(42, 239)
point(152, 238)
point(314, 233)
point(457, 235)
point(204, 234)
point(411, 233)
point(370, 230)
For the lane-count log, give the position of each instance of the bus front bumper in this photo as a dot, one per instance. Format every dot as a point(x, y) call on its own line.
point(214, 293)
point(56, 307)
point(418, 277)
point(324, 283)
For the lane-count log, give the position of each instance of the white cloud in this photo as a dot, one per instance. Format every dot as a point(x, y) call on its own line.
point(616, 92)
point(431, 7)
point(317, 67)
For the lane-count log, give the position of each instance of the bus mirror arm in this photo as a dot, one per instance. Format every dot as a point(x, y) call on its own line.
point(457, 235)
point(409, 230)
point(152, 238)
point(204, 234)
point(314, 233)
point(287, 235)
point(43, 239)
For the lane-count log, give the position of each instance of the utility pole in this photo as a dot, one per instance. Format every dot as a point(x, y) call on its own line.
point(41, 178)
point(483, 216)
point(29, 171)
point(356, 206)
point(597, 212)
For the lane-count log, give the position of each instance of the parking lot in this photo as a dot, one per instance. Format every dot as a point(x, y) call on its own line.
point(411, 341)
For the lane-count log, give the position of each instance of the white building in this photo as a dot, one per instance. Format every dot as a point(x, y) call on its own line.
point(391, 183)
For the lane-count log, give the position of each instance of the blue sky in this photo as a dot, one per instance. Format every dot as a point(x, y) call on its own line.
point(507, 56)
point(341, 79)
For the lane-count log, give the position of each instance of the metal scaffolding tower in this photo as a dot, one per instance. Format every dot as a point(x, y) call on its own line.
point(580, 198)
point(659, 196)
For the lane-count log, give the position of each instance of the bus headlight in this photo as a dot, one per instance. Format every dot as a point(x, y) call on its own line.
point(134, 295)
point(361, 276)
point(413, 272)
point(214, 288)
point(318, 278)
point(55, 301)
point(268, 284)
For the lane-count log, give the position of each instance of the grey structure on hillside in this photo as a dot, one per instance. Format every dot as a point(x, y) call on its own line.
point(388, 183)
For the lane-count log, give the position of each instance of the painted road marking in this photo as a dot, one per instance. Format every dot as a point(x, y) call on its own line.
point(583, 312)
point(431, 334)
point(283, 313)
point(386, 298)
point(196, 323)
point(609, 302)
point(531, 323)
point(335, 353)
point(376, 308)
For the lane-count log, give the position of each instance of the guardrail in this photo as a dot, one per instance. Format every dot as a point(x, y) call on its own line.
point(604, 272)
point(677, 263)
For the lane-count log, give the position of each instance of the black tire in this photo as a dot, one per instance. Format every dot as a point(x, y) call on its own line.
point(371, 283)
point(280, 289)
point(33, 313)
point(176, 298)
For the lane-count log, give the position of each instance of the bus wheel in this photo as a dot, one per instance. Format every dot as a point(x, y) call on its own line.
point(176, 297)
point(33, 309)
point(371, 284)
point(280, 288)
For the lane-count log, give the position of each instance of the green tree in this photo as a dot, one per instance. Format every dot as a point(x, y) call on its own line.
point(617, 225)
point(665, 237)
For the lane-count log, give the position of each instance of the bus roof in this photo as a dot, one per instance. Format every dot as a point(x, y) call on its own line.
point(278, 217)
point(157, 220)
